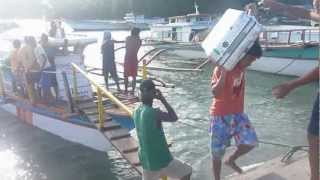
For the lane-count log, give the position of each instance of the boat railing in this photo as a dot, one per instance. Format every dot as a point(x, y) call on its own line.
point(290, 37)
point(14, 85)
point(7, 73)
point(101, 91)
point(173, 36)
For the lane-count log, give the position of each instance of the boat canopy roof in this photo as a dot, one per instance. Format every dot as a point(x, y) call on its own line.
point(190, 15)
point(72, 42)
point(156, 27)
point(288, 28)
point(198, 15)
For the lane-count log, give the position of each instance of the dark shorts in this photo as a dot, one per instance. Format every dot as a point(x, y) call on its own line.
point(33, 77)
point(314, 120)
point(48, 78)
point(110, 68)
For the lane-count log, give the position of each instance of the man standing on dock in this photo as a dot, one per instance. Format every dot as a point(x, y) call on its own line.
point(154, 154)
point(228, 119)
point(285, 88)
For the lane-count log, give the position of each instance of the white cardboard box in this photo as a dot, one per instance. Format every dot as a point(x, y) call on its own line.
point(231, 38)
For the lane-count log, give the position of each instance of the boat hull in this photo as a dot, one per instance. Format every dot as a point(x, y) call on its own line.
point(72, 129)
point(284, 66)
point(96, 25)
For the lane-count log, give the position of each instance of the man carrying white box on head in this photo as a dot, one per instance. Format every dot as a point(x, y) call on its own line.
point(233, 46)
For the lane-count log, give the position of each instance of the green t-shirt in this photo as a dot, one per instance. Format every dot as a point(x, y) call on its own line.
point(154, 153)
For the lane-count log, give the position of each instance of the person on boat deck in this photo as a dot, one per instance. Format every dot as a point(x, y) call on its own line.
point(47, 70)
point(280, 91)
point(154, 154)
point(53, 29)
point(109, 65)
point(227, 113)
point(14, 62)
point(31, 66)
point(133, 44)
point(49, 80)
point(60, 33)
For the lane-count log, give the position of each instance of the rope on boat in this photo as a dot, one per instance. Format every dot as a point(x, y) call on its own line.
point(285, 67)
point(119, 48)
point(155, 55)
point(146, 54)
point(203, 64)
point(288, 155)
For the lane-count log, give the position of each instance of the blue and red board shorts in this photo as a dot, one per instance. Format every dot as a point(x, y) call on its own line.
point(224, 128)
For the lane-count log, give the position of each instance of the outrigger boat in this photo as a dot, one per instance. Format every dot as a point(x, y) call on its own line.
point(84, 112)
point(182, 28)
point(56, 118)
point(289, 52)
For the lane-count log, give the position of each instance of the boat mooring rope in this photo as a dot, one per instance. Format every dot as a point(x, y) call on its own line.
point(295, 148)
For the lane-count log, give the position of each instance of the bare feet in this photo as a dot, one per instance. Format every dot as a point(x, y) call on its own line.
point(234, 166)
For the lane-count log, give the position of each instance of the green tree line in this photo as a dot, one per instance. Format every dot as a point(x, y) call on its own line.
point(111, 9)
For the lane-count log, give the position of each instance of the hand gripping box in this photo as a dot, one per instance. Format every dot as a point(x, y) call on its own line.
point(231, 38)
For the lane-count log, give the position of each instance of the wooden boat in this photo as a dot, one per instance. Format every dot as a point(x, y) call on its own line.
point(63, 117)
point(182, 28)
point(97, 25)
point(289, 52)
point(85, 112)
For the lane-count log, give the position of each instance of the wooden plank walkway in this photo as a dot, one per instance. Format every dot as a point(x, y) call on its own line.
point(118, 136)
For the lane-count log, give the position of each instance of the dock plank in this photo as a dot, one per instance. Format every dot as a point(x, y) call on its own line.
point(118, 136)
point(133, 158)
point(95, 118)
point(89, 108)
point(91, 112)
point(116, 111)
point(126, 145)
point(110, 125)
point(84, 100)
point(117, 133)
point(89, 105)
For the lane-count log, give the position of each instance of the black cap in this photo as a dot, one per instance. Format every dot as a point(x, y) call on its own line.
point(147, 85)
point(255, 50)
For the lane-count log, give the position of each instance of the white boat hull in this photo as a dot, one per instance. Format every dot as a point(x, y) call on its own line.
point(284, 66)
point(87, 136)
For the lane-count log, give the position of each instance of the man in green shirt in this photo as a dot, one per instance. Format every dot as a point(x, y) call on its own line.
point(154, 153)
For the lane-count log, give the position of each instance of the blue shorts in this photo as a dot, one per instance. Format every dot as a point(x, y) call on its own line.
point(33, 77)
point(314, 120)
point(223, 128)
point(48, 78)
